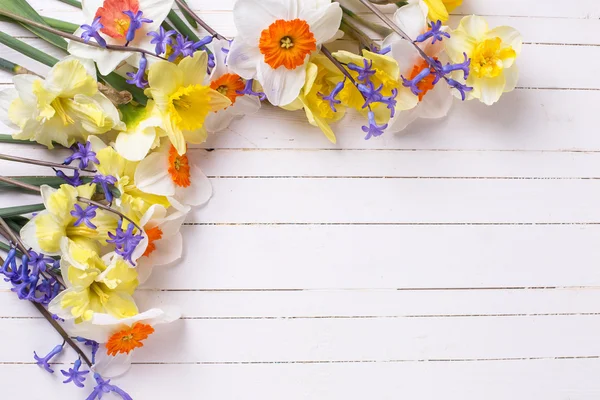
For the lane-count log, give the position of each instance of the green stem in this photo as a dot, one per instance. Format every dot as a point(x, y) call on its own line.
point(183, 6)
point(379, 29)
point(189, 18)
point(181, 26)
point(8, 212)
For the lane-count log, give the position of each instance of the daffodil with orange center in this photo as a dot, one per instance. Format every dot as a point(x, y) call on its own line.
point(115, 26)
point(433, 101)
point(167, 173)
point(276, 39)
point(120, 338)
point(231, 85)
point(183, 100)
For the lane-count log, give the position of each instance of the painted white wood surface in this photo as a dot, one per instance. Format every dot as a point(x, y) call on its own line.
point(458, 260)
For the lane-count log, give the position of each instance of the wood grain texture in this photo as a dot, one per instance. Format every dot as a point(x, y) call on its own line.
point(456, 260)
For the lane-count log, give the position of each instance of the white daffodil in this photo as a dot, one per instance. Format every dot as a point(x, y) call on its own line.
point(492, 53)
point(142, 132)
point(230, 85)
point(166, 173)
point(63, 108)
point(434, 100)
point(276, 39)
point(119, 338)
point(116, 26)
point(165, 240)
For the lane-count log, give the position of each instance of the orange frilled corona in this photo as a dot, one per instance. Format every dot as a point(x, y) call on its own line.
point(287, 43)
point(229, 85)
point(116, 24)
point(154, 234)
point(128, 339)
point(179, 168)
point(425, 84)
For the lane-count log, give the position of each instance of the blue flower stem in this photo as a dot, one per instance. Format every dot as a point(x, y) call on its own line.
point(199, 20)
point(74, 37)
point(39, 162)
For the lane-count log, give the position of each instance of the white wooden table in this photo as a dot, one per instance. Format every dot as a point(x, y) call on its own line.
point(460, 260)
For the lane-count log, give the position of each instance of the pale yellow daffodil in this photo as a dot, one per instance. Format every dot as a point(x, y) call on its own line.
point(94, 284)
point(63, 108)
point(321, 78)
point(183, 100)
point(387, 75)
point(492, 53)
point(132, 201)
point(44, 232)
point(142, 132)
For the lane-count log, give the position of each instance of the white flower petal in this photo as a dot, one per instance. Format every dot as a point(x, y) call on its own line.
point(281, 85)
point(324, 22)
point(134, 146)
point(253, 16)
point(112, 366)
point(152, 175)
point(411, 19)
point(437, 102)
point(200, 190)
point(474, 26)
point(167, 251)
point(106, 60)
point(243, 59)
point(491, 89)
point(512, 77)
point(402, 119)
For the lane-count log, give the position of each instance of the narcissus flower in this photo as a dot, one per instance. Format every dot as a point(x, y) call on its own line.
point(165, 242)
point(276, 39)
point(63, 108)
point(44, 232)
point(94, 285)
point(230, 85)
point(143, 128)
point(322, 78)
point(434, 100)
point(120, 337)
point(182, 98)
point(116, 29)
point(167, 173)
point(492, 53)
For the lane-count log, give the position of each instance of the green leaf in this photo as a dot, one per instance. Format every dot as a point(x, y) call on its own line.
point(27, 50)
point(181, 26)
point(73, 3)
point(64, 26)
point(53, 181)
point(22, 8)
point(20, 210)
point(19, 221)
point(188, 17)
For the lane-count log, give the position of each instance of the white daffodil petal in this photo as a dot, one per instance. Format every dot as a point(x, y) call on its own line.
point(243, 59)
point(135, 145)
point(167, 251)
point(436, 103)
point(253, 16)
point(106, 60)
point(281, 85)
point(492, 89)
point(112, 366)
point(411, 19)
point(324, 24)
point(200, 190)
point(152, 175)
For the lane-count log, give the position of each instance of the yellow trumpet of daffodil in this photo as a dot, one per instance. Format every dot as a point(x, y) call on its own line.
point(492, 52)
point(183, 100)
point(63, 108)
point(321, 78)
point(94, 284)
point(44, 232)
point(438, 10)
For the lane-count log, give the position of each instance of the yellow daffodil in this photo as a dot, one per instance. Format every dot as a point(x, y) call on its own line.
point(387, 74)
point(132, 201)
point(183, 100)
point(492, 53)
point(44, 232)
point(142, 132)
point(321, 78)
point(94, 284)
point(63, 108)
point(438, 10)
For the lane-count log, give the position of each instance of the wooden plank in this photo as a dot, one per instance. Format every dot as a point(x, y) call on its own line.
point(493, 380)
point(343, 340)
point(364, 303)
point(388, 201)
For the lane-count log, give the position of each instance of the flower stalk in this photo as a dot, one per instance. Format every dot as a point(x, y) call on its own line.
point(41, 163)
point(199, 20)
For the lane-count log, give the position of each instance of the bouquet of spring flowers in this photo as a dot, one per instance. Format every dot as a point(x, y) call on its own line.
point(139, 84)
